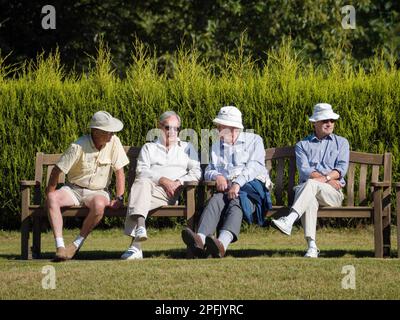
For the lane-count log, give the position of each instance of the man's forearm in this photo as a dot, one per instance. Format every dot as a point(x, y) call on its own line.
point(120, 182)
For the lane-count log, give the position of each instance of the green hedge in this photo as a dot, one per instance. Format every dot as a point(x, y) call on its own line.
point(43, 109)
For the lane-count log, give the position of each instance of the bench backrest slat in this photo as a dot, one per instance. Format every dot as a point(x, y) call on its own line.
point(280, 169)
point(362, 188)
point(292, 179)
point(350, 184)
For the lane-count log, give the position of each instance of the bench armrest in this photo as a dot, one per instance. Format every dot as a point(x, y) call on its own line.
point(380, 184)
point(208, 183)
point(190, 183)
point(28, 183)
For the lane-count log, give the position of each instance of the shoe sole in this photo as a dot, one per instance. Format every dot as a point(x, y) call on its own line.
point(141, 239)
point(191, 243)
point(212, 248)
point(59, 259)
point(279, 228)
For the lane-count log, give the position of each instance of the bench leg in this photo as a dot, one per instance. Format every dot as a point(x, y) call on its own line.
point(378, 223)
point(398, 220)
point(190, 207)
point(386, 237)
point(36, 247)
point(25, 226)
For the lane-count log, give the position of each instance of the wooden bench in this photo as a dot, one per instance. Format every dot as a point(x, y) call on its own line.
point(365, 195)
point(34, 211)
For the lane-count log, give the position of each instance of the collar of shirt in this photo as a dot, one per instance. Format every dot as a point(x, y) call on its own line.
point(104, 155)
point(159, 143)
point(241, 139)
point(313, 137)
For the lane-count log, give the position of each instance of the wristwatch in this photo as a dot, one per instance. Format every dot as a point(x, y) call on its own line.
point(328, 178)
point(120, 198)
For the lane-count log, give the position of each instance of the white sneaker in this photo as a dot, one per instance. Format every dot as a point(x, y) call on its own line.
point(132, 255)
point(140, 234)
point(283, 225)
point(312, 253)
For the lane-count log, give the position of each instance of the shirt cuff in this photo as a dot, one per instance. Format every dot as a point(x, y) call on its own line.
point(240, 180)
point(338, 170)
point(156, 178)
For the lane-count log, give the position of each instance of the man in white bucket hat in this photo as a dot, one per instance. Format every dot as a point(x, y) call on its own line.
point(322, 160)
point(88, 164)
point(237, 162)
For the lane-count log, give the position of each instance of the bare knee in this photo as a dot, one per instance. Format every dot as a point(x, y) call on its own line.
point(97, 205)
point(52, 200)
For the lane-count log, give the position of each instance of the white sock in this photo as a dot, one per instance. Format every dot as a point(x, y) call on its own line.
point(59, 242)
point(202, 237)
point(311, 243)
point(135, 246)
point(79, 241)
point(292, 217)
point(226, 237)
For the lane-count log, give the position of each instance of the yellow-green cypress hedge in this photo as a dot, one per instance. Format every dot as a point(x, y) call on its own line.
point(43, 108)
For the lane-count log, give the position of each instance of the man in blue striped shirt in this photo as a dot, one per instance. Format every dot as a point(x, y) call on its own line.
point(322, 159)
point(237, 158)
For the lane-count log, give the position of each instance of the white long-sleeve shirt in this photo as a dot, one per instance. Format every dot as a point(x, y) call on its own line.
point(180, 162)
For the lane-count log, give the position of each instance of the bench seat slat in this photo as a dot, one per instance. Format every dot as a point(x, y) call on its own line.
point(164, 211)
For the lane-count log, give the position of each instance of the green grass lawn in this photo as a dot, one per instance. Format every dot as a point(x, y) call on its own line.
point(263, 264)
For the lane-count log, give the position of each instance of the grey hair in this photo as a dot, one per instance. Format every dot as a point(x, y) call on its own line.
point(168, 114)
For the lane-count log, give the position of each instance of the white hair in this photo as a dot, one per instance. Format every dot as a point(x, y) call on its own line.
point(168, 114)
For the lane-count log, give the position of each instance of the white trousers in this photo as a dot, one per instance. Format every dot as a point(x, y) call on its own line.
point(308, 197)
point(144, 196)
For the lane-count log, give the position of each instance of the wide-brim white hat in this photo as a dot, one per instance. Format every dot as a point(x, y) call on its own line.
point(323, 111)
point(104, 121)
point(229, 116)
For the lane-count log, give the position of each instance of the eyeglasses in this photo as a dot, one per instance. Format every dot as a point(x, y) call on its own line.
point(168, 128)
point(328, 120)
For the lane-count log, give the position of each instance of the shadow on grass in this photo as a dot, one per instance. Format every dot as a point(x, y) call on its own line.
point(235, 253)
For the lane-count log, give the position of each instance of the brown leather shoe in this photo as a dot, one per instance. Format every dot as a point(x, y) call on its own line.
point(70, 251)
point(193, 241)
point(214, 247)
point(61, 254)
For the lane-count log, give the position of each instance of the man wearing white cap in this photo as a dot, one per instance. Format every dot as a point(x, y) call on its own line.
point(88, 164)
point(322, 160)
point(237, 158)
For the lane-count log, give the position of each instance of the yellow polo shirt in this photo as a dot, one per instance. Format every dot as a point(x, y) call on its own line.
point(90, 168)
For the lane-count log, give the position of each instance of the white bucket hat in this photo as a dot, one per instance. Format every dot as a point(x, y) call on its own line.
point(323, 111)
point(229, 116)
point(104, 121)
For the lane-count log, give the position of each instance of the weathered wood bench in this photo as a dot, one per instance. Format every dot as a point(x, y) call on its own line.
point(367, 194)
point(33, 212)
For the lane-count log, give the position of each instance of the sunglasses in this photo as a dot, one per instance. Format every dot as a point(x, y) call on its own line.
point(177, 129)
point(328, 120)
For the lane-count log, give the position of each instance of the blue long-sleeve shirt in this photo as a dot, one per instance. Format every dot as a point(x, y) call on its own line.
point(241, 162)
point(330, 153)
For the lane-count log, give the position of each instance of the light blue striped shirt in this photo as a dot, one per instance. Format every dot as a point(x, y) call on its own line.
point(330, 153)
point(241, 162)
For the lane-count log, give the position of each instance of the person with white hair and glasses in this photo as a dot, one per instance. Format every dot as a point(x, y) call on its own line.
point(162, 168)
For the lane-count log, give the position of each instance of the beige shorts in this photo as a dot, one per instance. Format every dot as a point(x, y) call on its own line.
point(81, 195)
